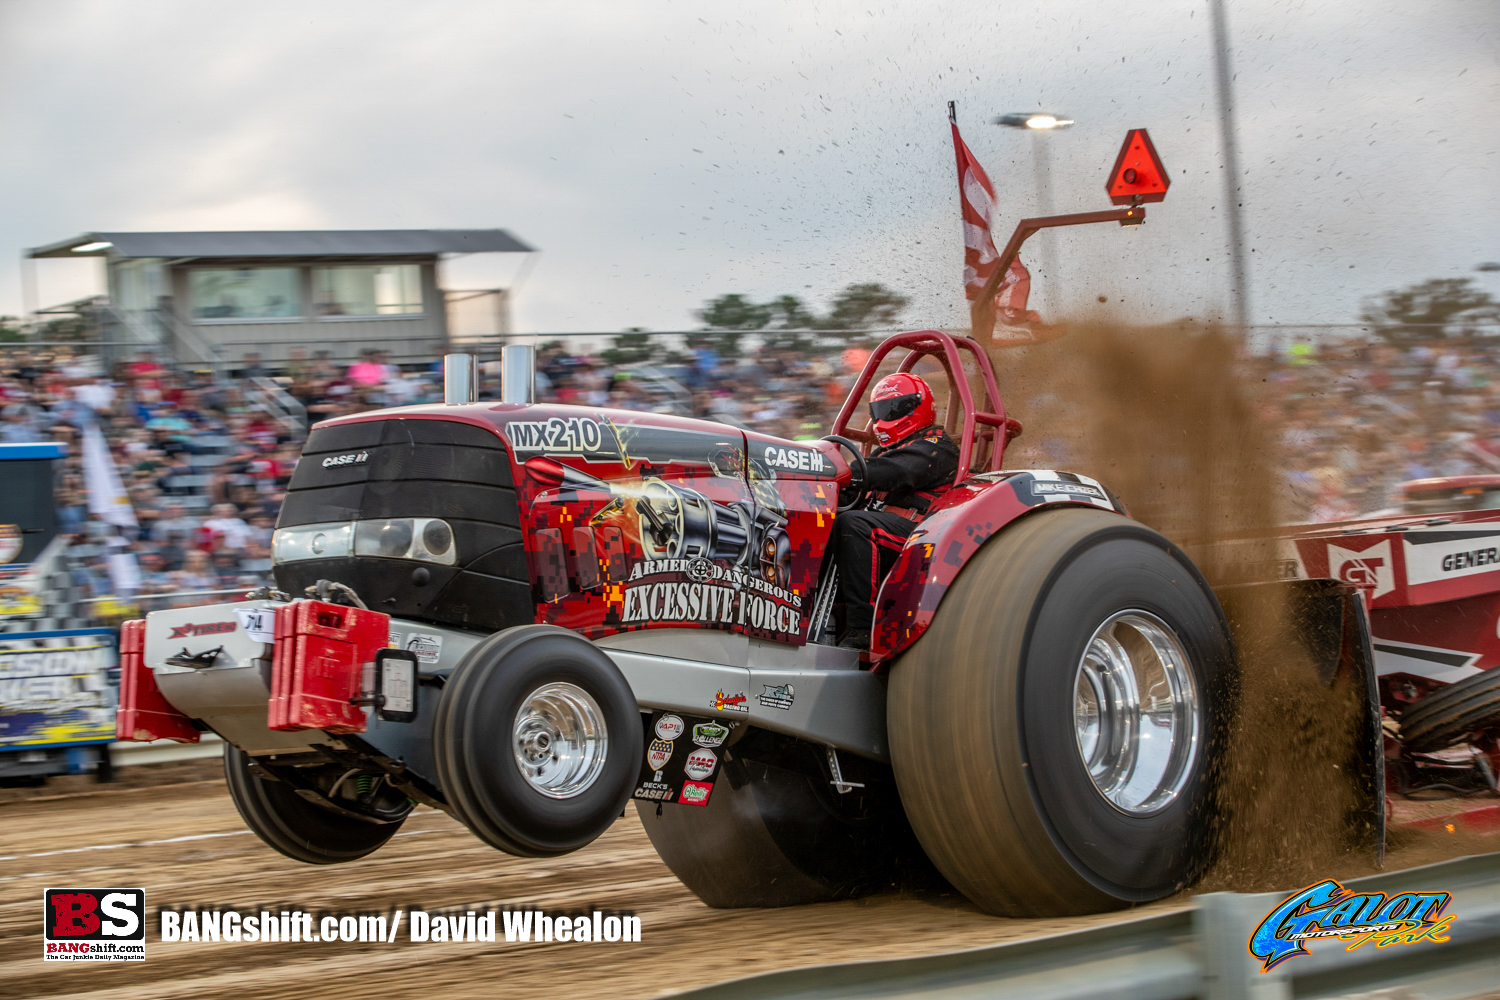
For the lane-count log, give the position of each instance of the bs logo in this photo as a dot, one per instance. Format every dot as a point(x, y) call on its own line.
point(75, 918)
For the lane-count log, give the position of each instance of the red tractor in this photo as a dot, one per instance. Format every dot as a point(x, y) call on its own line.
point(527, 615)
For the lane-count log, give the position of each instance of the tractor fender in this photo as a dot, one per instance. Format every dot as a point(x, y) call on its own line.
point(955, 527)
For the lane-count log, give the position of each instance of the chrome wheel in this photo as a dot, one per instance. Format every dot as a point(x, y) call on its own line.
point(1135, 712)
point(560, 740)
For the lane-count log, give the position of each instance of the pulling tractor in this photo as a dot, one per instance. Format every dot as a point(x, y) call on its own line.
point(527, 615)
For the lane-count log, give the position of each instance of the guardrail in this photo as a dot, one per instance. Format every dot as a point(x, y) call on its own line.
point(1193, 954)
point(126, 754)
point(224, 597)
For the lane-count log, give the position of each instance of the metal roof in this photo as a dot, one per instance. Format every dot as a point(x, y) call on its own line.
point(305, 243)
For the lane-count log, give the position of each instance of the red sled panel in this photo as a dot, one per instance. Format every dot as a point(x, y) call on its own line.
point(144, 713)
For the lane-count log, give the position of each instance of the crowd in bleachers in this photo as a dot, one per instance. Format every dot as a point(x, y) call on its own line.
point(205, 458)
point(1358, 420)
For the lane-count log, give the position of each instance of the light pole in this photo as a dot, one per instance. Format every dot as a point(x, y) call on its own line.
point(1240, 293)
point(1039, 124)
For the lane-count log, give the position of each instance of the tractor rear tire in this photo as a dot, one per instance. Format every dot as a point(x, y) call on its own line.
point(292, 825)
point(1444, 717)
point(550, 697)
point(775, 832)
point(994, 741)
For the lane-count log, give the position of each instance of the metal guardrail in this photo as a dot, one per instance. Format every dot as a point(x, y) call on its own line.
point(171, 595)
point(1193, 954)
point(126, 754)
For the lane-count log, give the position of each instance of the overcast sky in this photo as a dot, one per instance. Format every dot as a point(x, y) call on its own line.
point(659, 154)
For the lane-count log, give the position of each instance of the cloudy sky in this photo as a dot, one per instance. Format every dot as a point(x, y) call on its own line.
point(662, 153)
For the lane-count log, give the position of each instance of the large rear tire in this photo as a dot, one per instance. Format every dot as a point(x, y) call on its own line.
point(776, 833)
point(296, 827)
point(1032, 780)
point(1448, 715)
point(537, 741)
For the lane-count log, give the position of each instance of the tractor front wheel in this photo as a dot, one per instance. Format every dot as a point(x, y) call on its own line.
point(537, 741)
point(1053, 732)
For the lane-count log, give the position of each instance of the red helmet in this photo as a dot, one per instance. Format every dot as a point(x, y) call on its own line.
point(901, 405)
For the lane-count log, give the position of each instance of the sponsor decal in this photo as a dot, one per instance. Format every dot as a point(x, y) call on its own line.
point(729, 702)
point(429, 648)
point(1328, 910)
point(669, 727)
point(1473, 559)
point(797, 459)
point(258, 623)
point(695, 793)
point(700, 764)
point(1432, 556)
point(573, 436)
point(710, 734)
point(1039, 489)
point(353, 458)
point(780, 696)
point(1370, 567)
point(94, 925)
point(658, 753)
point(211, 628)
point(10, 542)
point(656, 791)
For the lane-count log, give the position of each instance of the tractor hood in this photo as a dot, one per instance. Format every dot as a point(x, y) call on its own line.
point(487, 515)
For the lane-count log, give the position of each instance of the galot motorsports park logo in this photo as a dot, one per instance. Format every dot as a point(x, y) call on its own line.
point(1328, 910)
point(94, 925)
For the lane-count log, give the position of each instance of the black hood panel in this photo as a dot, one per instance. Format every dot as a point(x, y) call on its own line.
point(416, 468)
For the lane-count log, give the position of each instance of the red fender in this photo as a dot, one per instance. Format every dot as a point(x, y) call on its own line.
point(956, 526)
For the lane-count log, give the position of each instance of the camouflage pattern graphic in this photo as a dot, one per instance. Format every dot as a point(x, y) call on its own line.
point(675, 523)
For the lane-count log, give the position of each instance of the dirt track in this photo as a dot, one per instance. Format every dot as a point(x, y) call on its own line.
point(434, 863)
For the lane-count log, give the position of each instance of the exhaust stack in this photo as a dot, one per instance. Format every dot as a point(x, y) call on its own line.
point(518, 373)
point(460, 379)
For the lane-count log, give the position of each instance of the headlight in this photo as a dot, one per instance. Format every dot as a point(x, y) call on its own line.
point(424, 538)
point(312, 541)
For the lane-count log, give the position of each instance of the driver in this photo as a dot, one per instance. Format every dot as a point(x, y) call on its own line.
point(913, 465)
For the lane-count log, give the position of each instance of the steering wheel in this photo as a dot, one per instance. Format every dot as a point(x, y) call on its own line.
point(856, 466)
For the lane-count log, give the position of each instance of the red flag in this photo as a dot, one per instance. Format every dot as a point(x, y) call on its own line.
point(977, 198)
point(1010, 300)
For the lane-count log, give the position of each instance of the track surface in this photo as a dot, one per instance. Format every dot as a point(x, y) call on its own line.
point(56, 837)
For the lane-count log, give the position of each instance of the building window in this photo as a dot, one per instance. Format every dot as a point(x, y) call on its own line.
point(368, 290)
point(246, 293)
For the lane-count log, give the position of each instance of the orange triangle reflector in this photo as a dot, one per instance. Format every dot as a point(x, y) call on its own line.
point(1137, 173)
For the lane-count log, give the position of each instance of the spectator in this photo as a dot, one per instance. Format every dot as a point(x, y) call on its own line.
point(227, 529)
point(370, 370)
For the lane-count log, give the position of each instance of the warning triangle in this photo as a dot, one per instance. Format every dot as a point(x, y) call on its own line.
point(1138, 173)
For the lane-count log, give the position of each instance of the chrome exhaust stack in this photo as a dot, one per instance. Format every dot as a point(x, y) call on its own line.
point(518, 373)
point(460, 379)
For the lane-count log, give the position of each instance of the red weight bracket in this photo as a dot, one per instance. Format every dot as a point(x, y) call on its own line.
point(144, 714)
point(318, 665)
point(284, 637)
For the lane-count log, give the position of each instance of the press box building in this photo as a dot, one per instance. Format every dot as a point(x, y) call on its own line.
point(212, 297)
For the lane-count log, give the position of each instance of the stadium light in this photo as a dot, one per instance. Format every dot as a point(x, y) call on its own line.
point(1039, 120)
point(91, 247)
